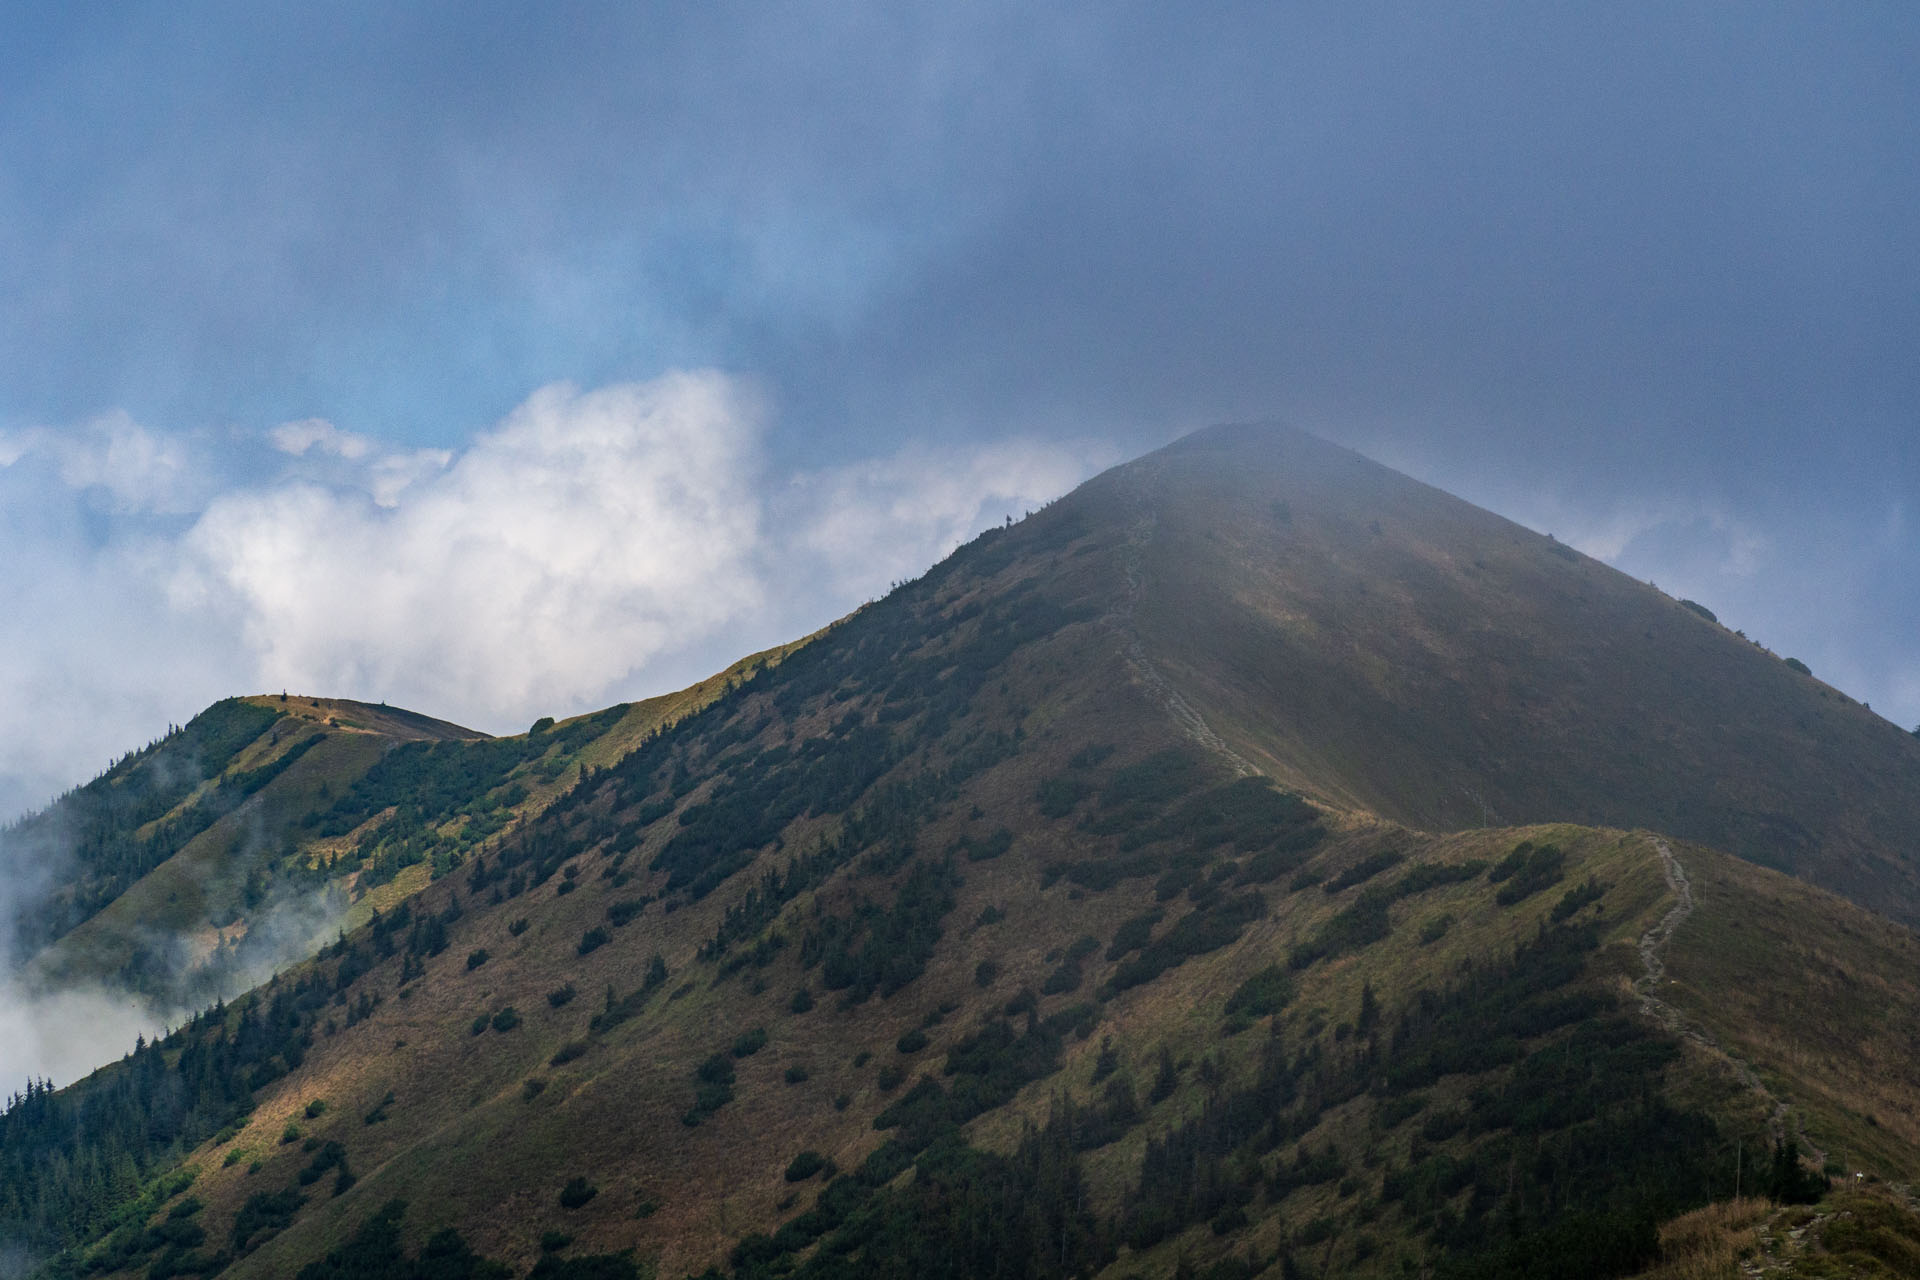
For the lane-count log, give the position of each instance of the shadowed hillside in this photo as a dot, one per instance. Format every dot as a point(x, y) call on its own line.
point(1379, 643)
point(1067, 912)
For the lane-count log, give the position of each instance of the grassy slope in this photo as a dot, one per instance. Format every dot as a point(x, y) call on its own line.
point(1823, 1001)
point(464, 1145)
point(1394, 649)
point(205, 880)
point(1365, 703)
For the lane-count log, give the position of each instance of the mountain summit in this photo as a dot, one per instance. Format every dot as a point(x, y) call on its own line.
point(1384, 646)
point(1253, 862)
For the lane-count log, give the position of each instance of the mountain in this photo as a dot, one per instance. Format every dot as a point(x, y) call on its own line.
point(196, 866)
point(177, 841)
point(1376, 642)
point(1253, 861)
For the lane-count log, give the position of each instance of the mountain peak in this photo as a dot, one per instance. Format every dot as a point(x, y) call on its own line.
point(1382, 645)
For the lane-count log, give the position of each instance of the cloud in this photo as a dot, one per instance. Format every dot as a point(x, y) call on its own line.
point(875, 522)
point(135, 469)
point(297, 438)
point(592, 546)
point(556, 554)
point(63, 1036)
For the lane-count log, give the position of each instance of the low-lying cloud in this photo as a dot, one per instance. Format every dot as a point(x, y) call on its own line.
point(560, 551)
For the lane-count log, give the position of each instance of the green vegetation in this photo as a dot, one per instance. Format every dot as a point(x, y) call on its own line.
point(1526, 871)
point(142, 811)
point(1201, 930)
point(1266, 992)
point(816, 826)
point(713, 1088)
point(805, 1165)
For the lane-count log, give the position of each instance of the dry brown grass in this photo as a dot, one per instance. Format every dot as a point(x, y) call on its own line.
point(1708, 1243)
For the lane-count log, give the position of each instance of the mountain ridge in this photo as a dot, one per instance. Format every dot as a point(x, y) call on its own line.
point(985, 898)
point(1703, 734)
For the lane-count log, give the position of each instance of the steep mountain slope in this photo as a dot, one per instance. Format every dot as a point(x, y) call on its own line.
point(242, 840)
point(176, 842)
point(968, 939)
point(1376, 642)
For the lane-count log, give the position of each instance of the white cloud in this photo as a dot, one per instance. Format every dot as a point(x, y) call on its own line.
point(61, 1036)
point(297, 438)
point(592, 546)
point(560, 551)
point(879, 521)
point(139, 470)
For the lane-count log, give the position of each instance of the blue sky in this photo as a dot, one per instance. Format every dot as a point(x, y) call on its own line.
point(285, 294)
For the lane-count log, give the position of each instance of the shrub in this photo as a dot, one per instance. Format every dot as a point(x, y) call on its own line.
point(891, 1077)
point(593, 939)
point(985, 972)
point(561, 995)
point(1576, 898)
point(477, 958)
point(802, 1001)
point(912, 1042)
point(1133, 934)
point(506, 1020)
point(1166, 1079)
point(479, 1024)
point(797, 1074)
point(1266, 992)
point(1364, 870)
point(805, 1165)
point(576, 1193)
point(986, 848)
point(712, 1089)
point(1539, 869)
point(1800, 666)
point(1058, 797)
point(290, 1134)
point(1065, 978)
point(316, 1109)
point(568, 1052)
point(518, 927)
point(748, 1043)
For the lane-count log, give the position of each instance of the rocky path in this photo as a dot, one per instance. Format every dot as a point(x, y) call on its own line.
point(1653, 943)
point(1655, 940)
point(1192, 723)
